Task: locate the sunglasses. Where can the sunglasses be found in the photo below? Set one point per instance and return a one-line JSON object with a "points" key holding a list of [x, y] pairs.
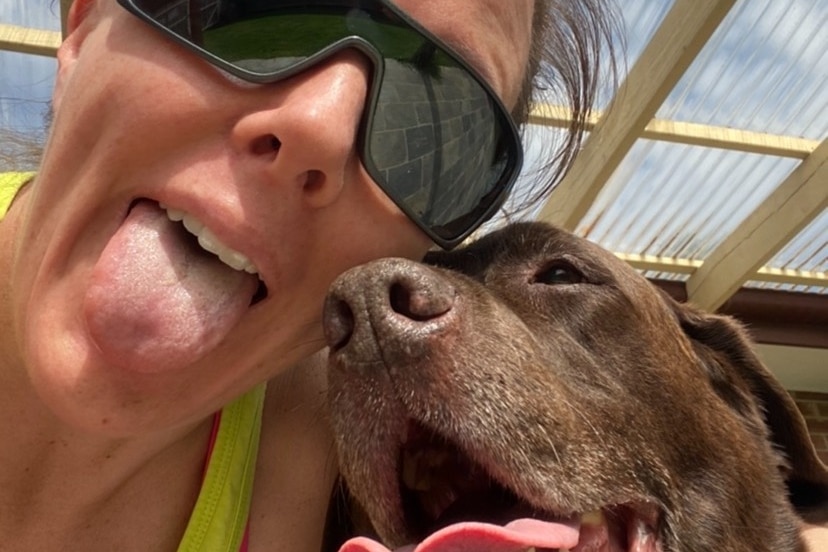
{"points": [[434, 136]]}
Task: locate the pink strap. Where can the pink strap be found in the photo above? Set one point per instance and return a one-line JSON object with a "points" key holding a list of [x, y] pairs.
{"points": [[212, 443]]}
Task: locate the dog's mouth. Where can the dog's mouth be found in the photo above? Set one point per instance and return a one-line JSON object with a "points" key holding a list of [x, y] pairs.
{"points": [[445, 491]]}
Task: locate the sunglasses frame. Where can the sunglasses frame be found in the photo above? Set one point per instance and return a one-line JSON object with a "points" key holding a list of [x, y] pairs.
{"points": [[510, 134]]}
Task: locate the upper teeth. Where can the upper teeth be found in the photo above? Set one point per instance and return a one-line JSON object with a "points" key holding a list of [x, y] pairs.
{"points": [[209, 241]]}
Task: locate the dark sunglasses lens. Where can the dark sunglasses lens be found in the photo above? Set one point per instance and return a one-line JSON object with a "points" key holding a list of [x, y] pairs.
{"points": [[438, 142], [437, 146]]}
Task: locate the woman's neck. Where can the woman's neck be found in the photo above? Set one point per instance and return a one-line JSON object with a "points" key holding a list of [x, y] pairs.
{"points": [[62, 485]]}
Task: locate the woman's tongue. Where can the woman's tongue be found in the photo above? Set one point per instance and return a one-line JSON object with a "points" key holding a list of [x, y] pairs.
{"points": [[158, 302]]}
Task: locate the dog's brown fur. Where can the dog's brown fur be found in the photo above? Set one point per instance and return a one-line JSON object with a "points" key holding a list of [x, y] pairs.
{"points": [[575, 383]]}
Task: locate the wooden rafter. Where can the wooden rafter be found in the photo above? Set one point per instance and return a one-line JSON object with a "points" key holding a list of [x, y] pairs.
{"points": [[792, 206], [28, 41], [689, 266], [692, 134], [676, 43]]}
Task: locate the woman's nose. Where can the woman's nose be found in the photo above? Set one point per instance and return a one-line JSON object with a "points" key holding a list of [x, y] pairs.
{"points": [[306, 130]]}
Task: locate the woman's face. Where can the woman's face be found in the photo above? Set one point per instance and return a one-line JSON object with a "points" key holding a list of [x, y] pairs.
{"points": [[127, 324]]}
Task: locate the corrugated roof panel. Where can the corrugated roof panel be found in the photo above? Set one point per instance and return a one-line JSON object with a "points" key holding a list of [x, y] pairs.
{"points": [[780, 286], [27, 80], [807, 252], [668, 276], [639, 20], [680, 201], [38, 14], [25, 90], [765, 69]]}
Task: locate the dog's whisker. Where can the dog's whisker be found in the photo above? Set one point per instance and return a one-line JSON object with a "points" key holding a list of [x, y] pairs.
{"points": [[578, 411]]}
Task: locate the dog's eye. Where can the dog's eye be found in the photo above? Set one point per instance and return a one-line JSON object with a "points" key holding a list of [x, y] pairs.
{"points": [[558, 273]]}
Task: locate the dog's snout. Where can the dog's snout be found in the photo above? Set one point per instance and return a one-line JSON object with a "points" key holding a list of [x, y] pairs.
{"points": [[383, 299]]}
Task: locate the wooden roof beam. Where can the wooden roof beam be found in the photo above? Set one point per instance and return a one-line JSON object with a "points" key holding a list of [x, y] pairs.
{"points": [[673, 265], [692, 134], [791, 207], [28, 41], [676, 43]]}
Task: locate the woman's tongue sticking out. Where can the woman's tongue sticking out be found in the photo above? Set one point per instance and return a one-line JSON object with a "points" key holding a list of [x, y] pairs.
{"points": [[158, 302]]}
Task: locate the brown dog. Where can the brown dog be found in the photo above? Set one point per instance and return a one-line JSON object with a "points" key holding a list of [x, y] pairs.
{"points": [[534, 378]]}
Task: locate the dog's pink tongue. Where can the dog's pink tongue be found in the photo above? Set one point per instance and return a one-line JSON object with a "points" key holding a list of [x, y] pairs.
{"points": [[517, 536], [156, 301]]}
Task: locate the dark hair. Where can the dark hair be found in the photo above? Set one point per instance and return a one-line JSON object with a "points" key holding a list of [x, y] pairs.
{"points": [[571, 56], [19, 151]]}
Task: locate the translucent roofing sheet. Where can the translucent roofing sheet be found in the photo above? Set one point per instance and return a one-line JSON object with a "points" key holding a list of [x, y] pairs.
{"points": [[25, 90], [26, 81], [765, 69], [38, 14], [674, 200], [639, 20], [808, 251]]}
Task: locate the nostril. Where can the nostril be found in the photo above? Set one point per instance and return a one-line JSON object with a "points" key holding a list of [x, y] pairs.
{"points": [[338, 324], [314, 181], [400, 299], [421, 303], [266, 145]]}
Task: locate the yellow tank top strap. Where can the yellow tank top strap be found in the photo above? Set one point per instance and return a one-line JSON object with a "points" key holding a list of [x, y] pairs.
{"points": [[10, 184], [219, 519]]}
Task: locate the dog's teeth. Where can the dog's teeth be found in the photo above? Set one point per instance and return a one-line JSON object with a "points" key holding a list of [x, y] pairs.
{"points": [[437, 501], [436, 459], [595, 518], [643, 536], [421, 468], [412, 476]]}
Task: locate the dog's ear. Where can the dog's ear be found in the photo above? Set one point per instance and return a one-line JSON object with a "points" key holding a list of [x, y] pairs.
{"points": [[741, 379]]}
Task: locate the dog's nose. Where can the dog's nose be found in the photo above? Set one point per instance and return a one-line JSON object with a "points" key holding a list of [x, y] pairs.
{"points": [[385, 298]]}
